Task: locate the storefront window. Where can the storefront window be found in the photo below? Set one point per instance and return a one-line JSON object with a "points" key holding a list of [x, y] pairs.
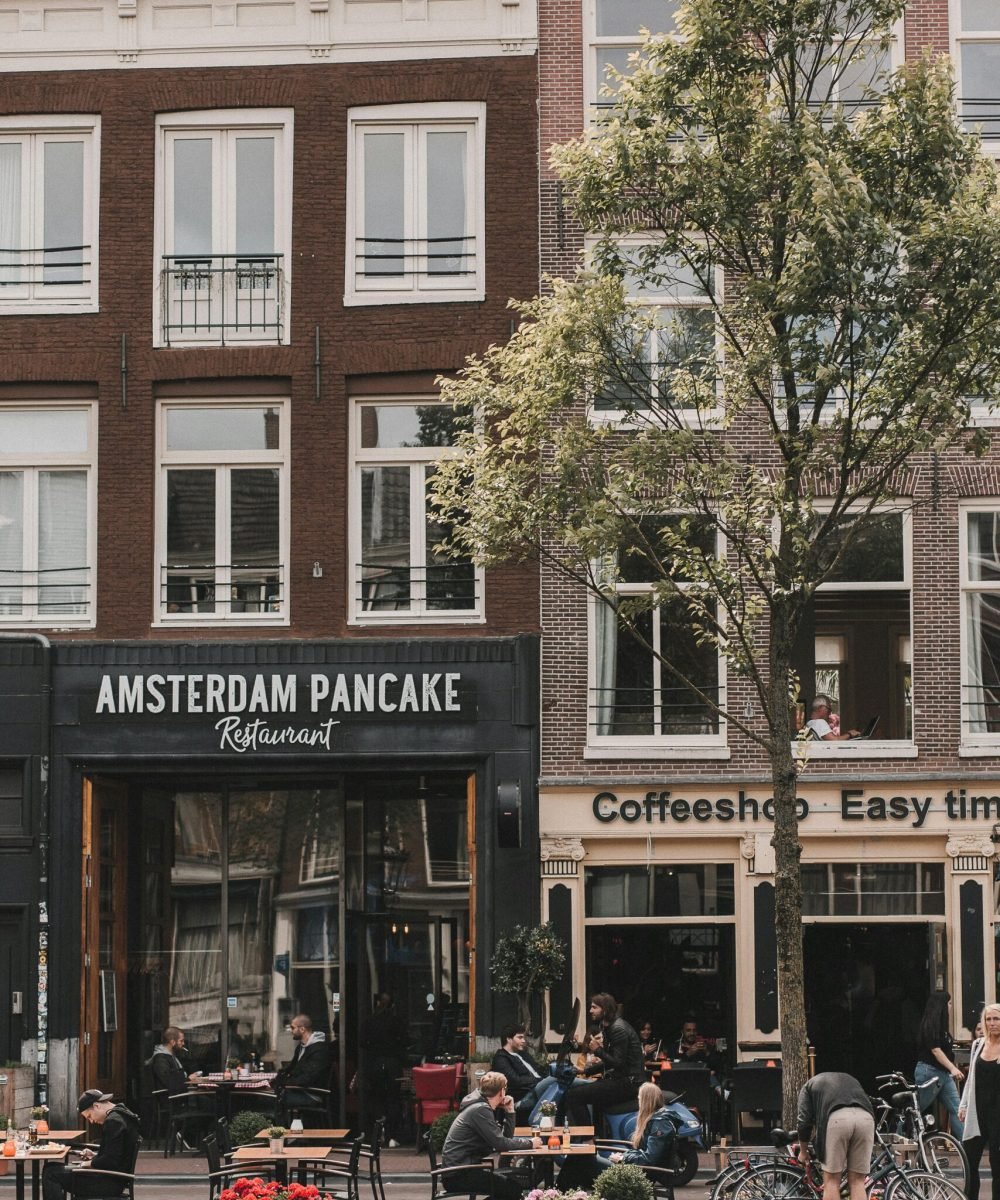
{"points": [[684, 890], [872, 889]]}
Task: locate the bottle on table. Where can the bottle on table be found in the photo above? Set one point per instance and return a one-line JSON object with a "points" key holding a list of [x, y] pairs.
{"points": [[32, 1133], [566, 1138]]}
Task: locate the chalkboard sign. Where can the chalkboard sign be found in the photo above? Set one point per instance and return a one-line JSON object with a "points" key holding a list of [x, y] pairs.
{"points": [[109, 1002]]}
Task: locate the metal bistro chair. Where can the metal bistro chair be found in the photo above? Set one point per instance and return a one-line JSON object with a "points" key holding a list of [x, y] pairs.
{"points": [[333, 1168], [693, 1085], [220, 1176], [187, 1113], [440, 1176], [372, 1154], [754, 1089], [119, 1183]]}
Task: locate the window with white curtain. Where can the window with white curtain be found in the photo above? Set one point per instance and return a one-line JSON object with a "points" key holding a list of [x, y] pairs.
{"points": [[416, 203], [47, 514], [655, 681], [980, 560], [977, 59], [49, 179], [222, 512]]}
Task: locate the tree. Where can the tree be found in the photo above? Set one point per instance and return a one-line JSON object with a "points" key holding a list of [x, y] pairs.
{"points": [[844, 233], [526, 963]]}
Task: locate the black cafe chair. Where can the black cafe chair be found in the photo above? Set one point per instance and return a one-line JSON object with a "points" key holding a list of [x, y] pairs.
{"points": [[754, 1089], [693, 1085], [119, 1183], [220, 1176]]}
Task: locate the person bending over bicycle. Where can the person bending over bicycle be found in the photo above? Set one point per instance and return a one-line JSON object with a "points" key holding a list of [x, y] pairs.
{"points": [[834, 1109]]}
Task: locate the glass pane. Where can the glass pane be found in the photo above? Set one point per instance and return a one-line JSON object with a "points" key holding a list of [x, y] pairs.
{"points": [[617, 892], [683, 710], [67, 260], [451, 582], [223, 427], [980, 72], [888, 889], [11, 541], [845, 889], [686, 339], [875, 554], [41, 431], [932, 888], [628, 691], [192, 196], [984, 546], [449, 248], [255, 540], [11, 235], [622, 18], [980, 15], [255, 195], [815, 890], [865, 72], [649, 274], [610, 56], [981, 704], [400, 426], [191, 558], [385, 537], [636, 562], [384, 205], [63, 575], [693, 891]]}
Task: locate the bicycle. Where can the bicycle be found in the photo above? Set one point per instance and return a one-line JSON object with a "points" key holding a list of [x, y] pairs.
{"points": [[901, 1120], [887, 1179]]}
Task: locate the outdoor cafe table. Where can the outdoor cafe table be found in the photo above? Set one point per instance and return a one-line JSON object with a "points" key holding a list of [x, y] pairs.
{"points": [[309, 1135], [37, 1158], [225, 1088], [574, 1131], [64, 1135], [280, 1161], [545, 1158]]}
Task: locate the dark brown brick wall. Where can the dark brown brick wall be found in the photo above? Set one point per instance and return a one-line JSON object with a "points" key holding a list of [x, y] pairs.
{"points": [[357, 342]]}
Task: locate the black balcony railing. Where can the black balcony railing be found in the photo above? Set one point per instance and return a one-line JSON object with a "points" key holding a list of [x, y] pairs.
{"points": [[450, 587], [50, 592], [45, 266], [380, 259], [222, 297], [221, 589], [981, 710], [648, 711]]}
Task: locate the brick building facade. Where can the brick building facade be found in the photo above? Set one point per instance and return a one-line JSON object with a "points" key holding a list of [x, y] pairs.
{"points": [[656, 858], [239, 243]]}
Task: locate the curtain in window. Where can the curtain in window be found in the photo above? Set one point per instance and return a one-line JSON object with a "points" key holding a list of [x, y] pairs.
{"points": [[10, 213], [62, 542], [11, 541], [983, 614], [606, 656]]}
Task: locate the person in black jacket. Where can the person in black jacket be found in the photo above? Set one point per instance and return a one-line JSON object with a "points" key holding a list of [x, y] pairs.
{"points": [[120, 1141], [523, 1077], [309, 1068], [619, 1057], [166, 1067]]}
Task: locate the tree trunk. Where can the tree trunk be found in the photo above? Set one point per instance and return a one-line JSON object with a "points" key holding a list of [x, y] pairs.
{"points": [[787, 852]]}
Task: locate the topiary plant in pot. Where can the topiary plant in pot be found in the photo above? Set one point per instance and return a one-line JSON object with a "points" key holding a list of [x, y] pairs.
{"points": [[623, 1181], [246, 1125], [439, 1130]]}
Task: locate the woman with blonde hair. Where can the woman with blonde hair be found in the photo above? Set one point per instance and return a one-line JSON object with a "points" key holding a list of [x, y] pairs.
{"points": [[655, 1131], [980, 1106]]}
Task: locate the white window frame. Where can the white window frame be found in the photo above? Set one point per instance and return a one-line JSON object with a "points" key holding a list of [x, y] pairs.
{"points": [[417, 458], [222, 462], [653, 745], [594, 76], [416, 287], [959, 39], [808, 749], [217, 124], [659, 301], [32, 132], [31, 465], [972, 744]]}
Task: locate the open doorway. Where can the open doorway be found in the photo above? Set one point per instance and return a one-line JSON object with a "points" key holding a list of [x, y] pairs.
{"points": [[866, 986]]}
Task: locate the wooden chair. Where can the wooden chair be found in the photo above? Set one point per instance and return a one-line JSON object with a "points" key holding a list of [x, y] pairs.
{"points": [[434, 1089]]}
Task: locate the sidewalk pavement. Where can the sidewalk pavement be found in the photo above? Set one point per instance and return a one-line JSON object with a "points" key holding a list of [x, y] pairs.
{"points": [[404, 1172]]}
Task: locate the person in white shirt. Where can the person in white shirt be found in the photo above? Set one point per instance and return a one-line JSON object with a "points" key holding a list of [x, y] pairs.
{"points": [[819, 723]]}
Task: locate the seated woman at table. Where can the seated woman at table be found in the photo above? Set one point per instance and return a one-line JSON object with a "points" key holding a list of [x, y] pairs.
{"points": [[650, 1042], [654, 1131]]}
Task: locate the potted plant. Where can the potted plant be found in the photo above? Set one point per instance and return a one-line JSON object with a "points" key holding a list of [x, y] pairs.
{"points": [[246, 1126], [547, 1111], [276, 1138], [623, 1181], [40, 1115]]}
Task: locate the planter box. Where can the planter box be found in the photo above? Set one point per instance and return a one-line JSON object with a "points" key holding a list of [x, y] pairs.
{"points": [[17, 1095]]}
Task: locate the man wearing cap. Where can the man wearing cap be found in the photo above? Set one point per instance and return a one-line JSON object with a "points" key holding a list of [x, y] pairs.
{"points": [[119, 1147]]}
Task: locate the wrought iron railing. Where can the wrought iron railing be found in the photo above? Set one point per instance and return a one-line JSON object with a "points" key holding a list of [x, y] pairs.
{"points": [[981, 709], [49, 592], [221, 589], [401, 587], [649, 711], [222, 297], [381, 259], [35, 267]]}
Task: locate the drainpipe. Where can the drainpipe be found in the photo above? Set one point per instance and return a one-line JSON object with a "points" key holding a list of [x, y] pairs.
{"points": [[42, 1010]]}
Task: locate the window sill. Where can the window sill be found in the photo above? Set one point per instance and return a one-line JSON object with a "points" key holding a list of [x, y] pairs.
{"points": [[602, 750], [25, 308], [360, 299], [203, 621], [980, 751], [412, 618], [53, 623], [861, 748]]}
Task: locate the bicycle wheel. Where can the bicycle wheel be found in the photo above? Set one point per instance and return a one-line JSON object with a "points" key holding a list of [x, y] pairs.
{"points": [[774, 1181], [922, 1185], [944, 1154], [721, 1187]]}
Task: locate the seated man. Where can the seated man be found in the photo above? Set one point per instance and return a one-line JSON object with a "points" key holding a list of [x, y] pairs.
{"points": [[618, 1054], [120, 1141], [167, 1069], [474, 1134], [525, 1082], [309, 1068], [819, 724], [691, 1046]]}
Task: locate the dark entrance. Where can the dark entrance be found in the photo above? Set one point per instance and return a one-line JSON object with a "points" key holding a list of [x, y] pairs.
{"points": [[866, 986], [13, 977], [661, 973]]}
